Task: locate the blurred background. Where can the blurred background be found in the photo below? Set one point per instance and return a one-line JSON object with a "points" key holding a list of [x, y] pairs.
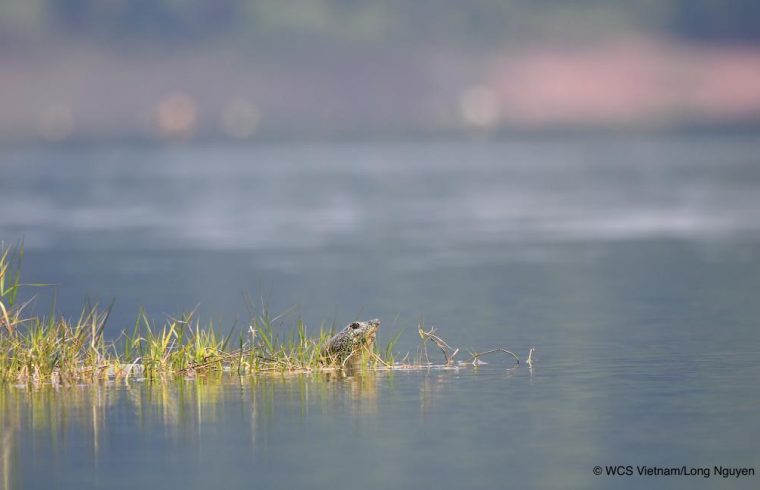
{"points": [[94, 70], [384, 158], [582, 177]]}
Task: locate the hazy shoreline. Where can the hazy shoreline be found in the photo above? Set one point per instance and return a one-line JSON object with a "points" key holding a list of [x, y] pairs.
{"points": [[82, 93]]}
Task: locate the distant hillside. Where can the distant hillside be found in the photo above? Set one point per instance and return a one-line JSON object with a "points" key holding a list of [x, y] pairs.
{"points": [[240, 69], [476, 22]]}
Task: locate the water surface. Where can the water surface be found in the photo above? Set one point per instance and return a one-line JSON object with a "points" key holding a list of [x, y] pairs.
{"points": [[632, 264]]}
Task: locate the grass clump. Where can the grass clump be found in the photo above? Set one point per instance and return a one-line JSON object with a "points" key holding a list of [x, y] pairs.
{"points": [[50, 348]]}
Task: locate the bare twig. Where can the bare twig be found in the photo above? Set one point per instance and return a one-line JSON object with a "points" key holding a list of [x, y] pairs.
{"points": [[439, 342], [129, 370], [343, 364], [477, 355], [379, 359]]}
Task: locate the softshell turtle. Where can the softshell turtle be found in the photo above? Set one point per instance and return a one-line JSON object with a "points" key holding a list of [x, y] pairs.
{"points": [[346, 346]]}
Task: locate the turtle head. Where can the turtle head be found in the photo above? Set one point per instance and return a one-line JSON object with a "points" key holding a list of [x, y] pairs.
{"points": [[363, 332]]}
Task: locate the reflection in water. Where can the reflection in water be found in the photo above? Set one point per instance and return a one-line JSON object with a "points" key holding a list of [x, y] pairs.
{"points": [[6, 453], [358, 391], [52, 417], [47, 415], [429, 388]]}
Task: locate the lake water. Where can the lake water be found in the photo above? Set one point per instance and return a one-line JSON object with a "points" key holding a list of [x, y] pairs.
{"points": [[631, 264]]}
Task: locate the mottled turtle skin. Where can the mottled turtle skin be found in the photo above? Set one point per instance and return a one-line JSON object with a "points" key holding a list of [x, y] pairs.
{"points": [[352, 338]]}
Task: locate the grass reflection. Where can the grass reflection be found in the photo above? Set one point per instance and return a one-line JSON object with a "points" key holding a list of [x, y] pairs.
{"points": [[58, 419]]}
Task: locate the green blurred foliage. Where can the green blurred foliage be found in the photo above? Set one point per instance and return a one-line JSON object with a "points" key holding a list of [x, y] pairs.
{"points": [[474, 21]]}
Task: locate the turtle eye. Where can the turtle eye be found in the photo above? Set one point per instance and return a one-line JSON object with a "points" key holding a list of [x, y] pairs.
{"points": [[354, 325]]}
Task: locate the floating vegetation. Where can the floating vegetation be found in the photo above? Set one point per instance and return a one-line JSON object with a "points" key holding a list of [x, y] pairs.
{"points": [[53, 349]]}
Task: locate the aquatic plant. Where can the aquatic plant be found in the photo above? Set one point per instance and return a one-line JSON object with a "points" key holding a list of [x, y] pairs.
{"points": [[50, 348]]}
